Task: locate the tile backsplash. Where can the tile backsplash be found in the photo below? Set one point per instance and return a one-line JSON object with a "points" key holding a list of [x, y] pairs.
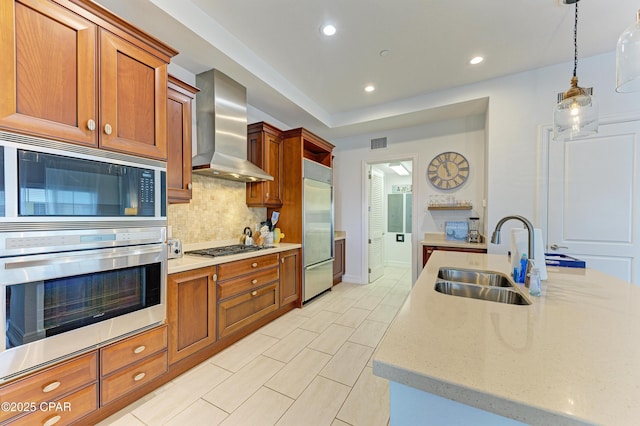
{"points": [[217, 211]]}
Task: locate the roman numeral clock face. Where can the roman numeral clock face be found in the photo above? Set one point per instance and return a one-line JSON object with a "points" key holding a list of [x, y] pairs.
{"points": [[448, 170]]}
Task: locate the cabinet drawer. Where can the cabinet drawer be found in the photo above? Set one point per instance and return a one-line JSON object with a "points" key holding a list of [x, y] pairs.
{"points": [[246, 282], [133, 349], [125, 381], [242, 310], [64, 411], [241, 267], [51, 383]]}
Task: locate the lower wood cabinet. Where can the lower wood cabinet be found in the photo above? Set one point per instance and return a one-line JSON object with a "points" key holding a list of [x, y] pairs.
{"points": [[290, 277], [339, 261], [191, 311], [428, 250], [239, 311], [131, 363], [52, 384]]}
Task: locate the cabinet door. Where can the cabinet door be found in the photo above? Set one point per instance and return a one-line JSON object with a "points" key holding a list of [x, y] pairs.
{"points": [[133, 99], [48, 69], [339, 261], [290, 274], [240, 311], [179, 101], [191, 312], [266, 150]]}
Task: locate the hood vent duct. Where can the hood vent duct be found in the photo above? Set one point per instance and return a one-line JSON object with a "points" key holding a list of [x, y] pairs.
{"points": [[221, 114]]}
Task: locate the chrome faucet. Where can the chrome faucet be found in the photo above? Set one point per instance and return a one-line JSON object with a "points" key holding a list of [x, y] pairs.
{"points": [[495, 237]]}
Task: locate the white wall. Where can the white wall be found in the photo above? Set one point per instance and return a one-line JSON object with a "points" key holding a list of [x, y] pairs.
{"points": [[518, 105]]}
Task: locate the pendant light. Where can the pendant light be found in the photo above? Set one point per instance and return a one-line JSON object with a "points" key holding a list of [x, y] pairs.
{"points": [[628, 59], [576, 114]]}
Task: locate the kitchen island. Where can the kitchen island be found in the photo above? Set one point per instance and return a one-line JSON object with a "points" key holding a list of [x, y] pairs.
{"points": [[570, 357]]}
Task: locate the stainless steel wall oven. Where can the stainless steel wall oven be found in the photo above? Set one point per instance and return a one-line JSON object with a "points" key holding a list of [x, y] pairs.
{"points": [[83, 252]]}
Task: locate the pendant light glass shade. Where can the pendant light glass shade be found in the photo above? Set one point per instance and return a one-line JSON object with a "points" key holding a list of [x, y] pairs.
{"points": [[628, 59], [576, 114]]}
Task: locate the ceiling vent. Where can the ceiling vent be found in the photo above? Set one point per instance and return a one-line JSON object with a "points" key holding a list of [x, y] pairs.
{"points": [[378, 143]]}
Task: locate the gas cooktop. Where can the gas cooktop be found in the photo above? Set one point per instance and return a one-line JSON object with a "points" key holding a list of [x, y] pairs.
{"points": [[227, 250]]}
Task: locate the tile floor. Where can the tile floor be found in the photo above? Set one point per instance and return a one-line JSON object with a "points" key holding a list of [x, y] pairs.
{"points": [[312, 366]]}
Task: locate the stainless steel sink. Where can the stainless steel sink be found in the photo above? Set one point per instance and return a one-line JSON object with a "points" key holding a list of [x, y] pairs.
{"points": [[471, 276], [482, 292]]}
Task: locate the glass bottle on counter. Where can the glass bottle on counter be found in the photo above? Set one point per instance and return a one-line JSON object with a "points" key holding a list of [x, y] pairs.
{"points": [[534, 281]]}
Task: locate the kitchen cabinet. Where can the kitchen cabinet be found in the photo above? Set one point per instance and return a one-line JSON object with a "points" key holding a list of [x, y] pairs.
{"points": [[180, 97], [339, 261], [131, 363], [291, 278], [265, 149], [191, 311], [247, 291], [74, 72], [75, 379], [298, 145], [428, 251]]}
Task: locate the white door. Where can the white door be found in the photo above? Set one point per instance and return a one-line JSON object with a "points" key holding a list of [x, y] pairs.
{"points": [[593, 202], [376, 224]]}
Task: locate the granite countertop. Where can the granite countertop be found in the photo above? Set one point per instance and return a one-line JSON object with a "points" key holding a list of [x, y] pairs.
{"points": [[189, 262], [439, 239], [571, 357]]}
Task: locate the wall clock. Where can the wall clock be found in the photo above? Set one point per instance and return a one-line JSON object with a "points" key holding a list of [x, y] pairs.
{"points": [[448, 170]]}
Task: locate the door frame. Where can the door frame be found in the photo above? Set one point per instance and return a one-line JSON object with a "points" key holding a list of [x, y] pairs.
{"points": [[414, 158], [542, 189]]}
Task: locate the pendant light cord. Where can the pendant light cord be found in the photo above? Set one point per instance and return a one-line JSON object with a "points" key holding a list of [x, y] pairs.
{"points": [[575, 43]]}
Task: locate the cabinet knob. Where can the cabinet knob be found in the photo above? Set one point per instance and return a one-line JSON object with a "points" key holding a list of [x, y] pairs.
{"points": [[139, 377], [214, 277], [282, 260], [267, 194], [254, 282], [189, 185], [254, 264], [51, 386], [139, 349], [91, 125], [107, 129], [52, 420], [253, 293]]}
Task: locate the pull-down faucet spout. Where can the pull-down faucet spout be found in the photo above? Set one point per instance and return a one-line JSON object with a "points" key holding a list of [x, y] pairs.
{"points": [[495, 237]]}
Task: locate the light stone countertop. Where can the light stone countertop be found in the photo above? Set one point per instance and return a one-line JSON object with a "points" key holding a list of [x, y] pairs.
{"points": [[339, 235], [189, 262], [439, 239], [571, 357]]}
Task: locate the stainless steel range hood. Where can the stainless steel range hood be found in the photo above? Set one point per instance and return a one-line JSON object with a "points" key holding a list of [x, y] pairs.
{"points": [[221, 113]]}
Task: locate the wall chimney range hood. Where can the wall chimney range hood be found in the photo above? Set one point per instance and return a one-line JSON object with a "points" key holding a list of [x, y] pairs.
{"points": [[221, 114]]}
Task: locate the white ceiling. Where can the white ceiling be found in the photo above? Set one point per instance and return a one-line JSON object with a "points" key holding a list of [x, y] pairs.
{"points": [[298, 76]]}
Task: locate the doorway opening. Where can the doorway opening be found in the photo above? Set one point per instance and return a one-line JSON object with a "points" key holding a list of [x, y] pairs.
{"points": [[390, 217]]}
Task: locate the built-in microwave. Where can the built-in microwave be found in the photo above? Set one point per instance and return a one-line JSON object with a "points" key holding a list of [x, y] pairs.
{"points": [[47, 182]]}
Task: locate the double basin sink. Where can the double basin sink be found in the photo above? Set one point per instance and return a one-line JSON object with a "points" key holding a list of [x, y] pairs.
{"points": [[482, 285]]}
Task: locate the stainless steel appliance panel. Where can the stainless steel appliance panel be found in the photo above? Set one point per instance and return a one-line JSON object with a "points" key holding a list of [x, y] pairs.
{"points": [[317, 278], [317, 243]]}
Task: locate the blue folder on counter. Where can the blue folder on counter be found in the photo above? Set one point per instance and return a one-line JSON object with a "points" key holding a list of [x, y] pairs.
{"points": [[555, 259]]}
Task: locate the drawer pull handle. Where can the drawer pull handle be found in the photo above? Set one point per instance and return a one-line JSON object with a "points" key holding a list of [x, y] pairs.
{"points": [[254, 264], [91, 125], [52, 421], [139, 377], [51, 387], [253, 293], [254, 282], [139, 349]]}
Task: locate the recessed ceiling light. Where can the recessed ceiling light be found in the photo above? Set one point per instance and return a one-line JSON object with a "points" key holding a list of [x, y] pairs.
{"points": [[328, 30], [384, 53], [476, 60], [369, 88]]}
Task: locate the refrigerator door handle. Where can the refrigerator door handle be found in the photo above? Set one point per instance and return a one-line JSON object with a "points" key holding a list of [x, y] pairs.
{"points": [[317, 265]]}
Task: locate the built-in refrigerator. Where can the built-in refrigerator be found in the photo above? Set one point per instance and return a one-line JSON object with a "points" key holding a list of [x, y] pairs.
{"points": [[317, 225]]}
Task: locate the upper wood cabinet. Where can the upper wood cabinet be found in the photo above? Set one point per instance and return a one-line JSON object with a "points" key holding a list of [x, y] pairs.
{"points": [[265, 149], [74, 72], [180, 96]]}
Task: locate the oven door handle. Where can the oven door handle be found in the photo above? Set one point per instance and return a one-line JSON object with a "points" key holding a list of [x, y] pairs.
{"points": [[22, 269]]}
